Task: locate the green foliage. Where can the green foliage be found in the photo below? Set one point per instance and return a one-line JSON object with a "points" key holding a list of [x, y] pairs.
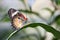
{"points": [[29, 12], [33, 25], [48, 9], [5, 18], [2, 9], [46, 27], [57, 19], [23, 2], [57, 2]]}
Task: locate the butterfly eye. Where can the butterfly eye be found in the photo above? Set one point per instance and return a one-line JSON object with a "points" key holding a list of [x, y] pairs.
{"points": [[18, 17]]}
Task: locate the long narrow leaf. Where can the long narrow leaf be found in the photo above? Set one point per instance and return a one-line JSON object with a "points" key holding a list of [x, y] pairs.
{"points": [[46, 27], [30, 12]]}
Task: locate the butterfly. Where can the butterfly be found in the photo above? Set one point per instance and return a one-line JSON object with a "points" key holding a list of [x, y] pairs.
{"points": [[17, 18]]}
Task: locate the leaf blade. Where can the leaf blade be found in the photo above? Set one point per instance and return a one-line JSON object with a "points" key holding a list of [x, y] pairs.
{"points": [[46, 27]]}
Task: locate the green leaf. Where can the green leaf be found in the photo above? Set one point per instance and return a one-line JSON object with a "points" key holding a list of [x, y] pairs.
{"points": [[22, 0], [5, 18], [57, 20], [51, 11], [33, 25], [48, 9], [30, 12], [46, 27], [2, 9], [57, 2]]}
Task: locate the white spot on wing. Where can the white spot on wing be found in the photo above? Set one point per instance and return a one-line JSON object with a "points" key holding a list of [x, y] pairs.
{"points": [[14, 13]]}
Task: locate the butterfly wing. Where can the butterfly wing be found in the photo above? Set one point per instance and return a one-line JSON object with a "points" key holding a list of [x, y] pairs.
{"points": [[11, 11]]}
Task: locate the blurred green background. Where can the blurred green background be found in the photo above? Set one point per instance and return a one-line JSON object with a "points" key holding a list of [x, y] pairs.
{"points": [[37, 11]]}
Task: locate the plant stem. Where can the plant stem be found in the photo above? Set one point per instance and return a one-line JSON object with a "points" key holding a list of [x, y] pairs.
{"points": [[11, 34]]}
